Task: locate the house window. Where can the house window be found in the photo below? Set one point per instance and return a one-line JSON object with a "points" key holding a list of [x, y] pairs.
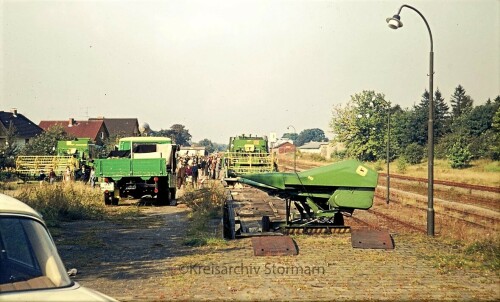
{"points": [[102, 135]]}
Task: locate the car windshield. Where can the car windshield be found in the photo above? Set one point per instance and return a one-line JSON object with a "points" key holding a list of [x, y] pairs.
{"points": [[28, 256]]}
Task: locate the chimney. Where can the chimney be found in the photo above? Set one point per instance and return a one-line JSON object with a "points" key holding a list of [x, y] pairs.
{"points": [[71, 122], [14, 111]]}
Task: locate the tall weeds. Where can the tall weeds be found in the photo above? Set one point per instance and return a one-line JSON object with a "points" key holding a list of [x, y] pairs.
{"points": [[63, 201], [206, 205]]}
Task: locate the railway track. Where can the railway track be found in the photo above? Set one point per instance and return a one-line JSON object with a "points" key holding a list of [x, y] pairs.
{"points": [[458, 206], [444, 183], [489, 222]]}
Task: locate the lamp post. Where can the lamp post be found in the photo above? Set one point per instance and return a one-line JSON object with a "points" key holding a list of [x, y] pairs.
{"points": [[388, 154], [395, 23], [294, 150]]}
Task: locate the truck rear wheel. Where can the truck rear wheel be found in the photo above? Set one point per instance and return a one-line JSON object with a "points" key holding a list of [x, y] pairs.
{"points": [[173, 191], [162, 197], [107, 200]]}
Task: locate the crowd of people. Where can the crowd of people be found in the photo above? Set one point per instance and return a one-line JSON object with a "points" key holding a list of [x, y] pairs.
{"points": [[85, 173], [192, 170]]}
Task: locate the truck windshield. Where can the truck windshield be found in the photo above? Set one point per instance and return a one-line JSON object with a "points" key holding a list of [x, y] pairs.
{"points": [[28, 256]]}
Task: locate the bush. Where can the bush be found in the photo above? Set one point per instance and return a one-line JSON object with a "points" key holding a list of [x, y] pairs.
{"points": [[206, 204], [483, 146], [413, 153], [402, 165], [339, 154], [317, 157], [63, 201], [459, 155]]}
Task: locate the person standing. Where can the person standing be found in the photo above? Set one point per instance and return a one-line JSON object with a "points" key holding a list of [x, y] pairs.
{"points": [[181, 175], [52, 176], [194, 175], [92, 177], [41, 177], [67, 175], [203, 164]]}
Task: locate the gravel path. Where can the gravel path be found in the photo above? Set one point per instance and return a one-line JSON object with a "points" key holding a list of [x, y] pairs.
{"points": [[144, 259]]}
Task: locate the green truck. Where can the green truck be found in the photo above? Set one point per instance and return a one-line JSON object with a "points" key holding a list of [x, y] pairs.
{"points": [[141, 166]]}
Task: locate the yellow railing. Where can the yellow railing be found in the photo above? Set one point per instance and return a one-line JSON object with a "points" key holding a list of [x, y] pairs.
{"points": [[32, 165], [246, 163]]}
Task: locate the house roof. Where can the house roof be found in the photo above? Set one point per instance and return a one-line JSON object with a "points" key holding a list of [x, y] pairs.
{"points": [[313, 145], [79, 129], [120, 126], [24, 127], [282, 144]]}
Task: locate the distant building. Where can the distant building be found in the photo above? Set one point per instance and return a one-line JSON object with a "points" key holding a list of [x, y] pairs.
{"points": [[191, 151], [315, 148], [25, 128], [284, 147], [94, 129], [120, 127]]}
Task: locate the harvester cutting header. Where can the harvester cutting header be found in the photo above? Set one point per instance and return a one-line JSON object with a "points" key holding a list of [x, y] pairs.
{"points": [[321, 195]]}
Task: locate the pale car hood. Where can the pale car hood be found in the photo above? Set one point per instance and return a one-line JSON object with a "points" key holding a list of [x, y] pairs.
{"points": [[74, 293]]}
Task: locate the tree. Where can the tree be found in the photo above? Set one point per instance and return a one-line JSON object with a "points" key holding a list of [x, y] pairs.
{"points": [[310, 135], [362, 125], [459, 154], [208, 144], [46, 142], [480, 118], [177, 133], [420, 123], [460, 102], [9, 151], [495, 148], [292, 136]]}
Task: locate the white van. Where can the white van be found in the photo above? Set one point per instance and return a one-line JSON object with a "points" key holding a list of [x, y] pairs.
{"points": [[30, 267]]}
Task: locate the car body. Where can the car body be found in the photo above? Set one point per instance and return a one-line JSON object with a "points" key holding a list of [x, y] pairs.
{"points": [[30, 266]]}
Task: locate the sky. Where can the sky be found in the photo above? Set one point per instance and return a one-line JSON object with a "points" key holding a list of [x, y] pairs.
{"points": [[228, 67]]}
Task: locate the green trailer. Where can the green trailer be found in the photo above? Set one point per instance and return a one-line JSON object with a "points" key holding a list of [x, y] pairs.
{"points": [[141, 166]]}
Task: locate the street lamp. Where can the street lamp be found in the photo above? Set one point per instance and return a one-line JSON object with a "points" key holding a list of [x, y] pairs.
{"points": [[395, 23], [294, 150], [388, 149]]}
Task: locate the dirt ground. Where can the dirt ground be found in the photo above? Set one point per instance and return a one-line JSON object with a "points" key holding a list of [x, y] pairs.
{"points": [[143, 258]]}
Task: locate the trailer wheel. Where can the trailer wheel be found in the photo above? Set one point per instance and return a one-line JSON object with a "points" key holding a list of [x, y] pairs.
{"points": [[338, 219], [266, 224]]}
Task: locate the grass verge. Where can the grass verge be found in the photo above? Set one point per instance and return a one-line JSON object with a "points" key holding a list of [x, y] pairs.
{"points": [[206, 205], [451, 255], [63, 202]]}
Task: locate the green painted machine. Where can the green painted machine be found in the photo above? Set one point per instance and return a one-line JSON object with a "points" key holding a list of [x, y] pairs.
{"points": [[72, 153], [321, 195], [247, 155], [141, 166]]}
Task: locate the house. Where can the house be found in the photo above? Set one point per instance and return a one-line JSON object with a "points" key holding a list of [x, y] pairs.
{"points": [[284, 147], [314, 148], [25, 129], [191, 151], [120, 127], [94, 129]]}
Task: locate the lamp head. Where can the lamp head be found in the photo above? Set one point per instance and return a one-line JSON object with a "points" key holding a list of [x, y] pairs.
{"points": [[394, 22]]}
